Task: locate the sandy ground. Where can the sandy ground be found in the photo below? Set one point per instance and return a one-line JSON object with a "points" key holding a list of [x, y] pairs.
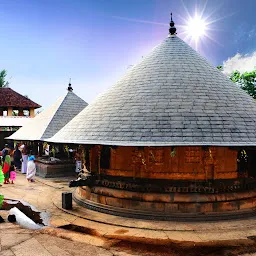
{"points": [[84, 232]]}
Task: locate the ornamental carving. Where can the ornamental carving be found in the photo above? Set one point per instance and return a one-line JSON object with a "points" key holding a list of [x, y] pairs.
{"points": [[192, 155], [185, 187], [156, 156]]}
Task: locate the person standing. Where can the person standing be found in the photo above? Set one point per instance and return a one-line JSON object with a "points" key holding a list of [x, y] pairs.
{"points": [[17, 156], [4, 151], [78, 159], [31, 169], [24, 159], [1, 172], [6, 168]]}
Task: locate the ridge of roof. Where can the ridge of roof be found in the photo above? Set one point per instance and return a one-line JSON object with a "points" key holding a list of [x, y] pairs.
{"points": [[71, 100]]}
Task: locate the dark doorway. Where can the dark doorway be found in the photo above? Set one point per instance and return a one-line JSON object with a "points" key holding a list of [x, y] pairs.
{"points": [[4, 134], [242, 163], [251, 162], [105, 157], [87, 159]]}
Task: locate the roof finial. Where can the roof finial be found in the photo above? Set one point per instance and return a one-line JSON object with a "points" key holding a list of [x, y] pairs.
{"points": [[70, 89], [172, 29]]}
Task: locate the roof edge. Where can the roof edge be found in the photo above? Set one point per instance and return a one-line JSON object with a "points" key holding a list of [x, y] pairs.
{"points": [[151, 144]]}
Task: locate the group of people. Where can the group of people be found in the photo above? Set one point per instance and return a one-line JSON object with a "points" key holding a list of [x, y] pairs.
{"points": [[15, 160]]}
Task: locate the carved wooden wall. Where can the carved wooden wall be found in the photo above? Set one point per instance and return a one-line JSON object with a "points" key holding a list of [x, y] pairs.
{"points": [[193, 163]]}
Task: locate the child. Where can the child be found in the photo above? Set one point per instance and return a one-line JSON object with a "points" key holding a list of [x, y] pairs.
{"points": [[12, 172], [6, 168]]}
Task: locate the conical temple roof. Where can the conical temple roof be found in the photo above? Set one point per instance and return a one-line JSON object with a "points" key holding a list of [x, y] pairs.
{"points": [[51, 120], [172, 97]]}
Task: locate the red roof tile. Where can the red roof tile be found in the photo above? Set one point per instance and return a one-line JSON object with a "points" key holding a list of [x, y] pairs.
{"points": [[10, 98]]}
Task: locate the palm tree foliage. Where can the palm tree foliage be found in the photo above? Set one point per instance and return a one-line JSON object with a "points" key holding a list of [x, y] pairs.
{"points": [[3, 82]]}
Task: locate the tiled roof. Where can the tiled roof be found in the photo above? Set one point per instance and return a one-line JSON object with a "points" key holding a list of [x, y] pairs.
{"points": [[10, 98], [51, 120], [172, 97]]}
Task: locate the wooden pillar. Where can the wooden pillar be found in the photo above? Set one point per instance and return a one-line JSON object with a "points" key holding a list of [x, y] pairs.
{"points": [[99, 148], [208, 163], [9, 111], [90, 160], [40, 148], [34, 148], [136, 162], [20, 113], [32, 112]]}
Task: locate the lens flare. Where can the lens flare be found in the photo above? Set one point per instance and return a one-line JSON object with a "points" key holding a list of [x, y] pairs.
{"points": [[196, 28]]}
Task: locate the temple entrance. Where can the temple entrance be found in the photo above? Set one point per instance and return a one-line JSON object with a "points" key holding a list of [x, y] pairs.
{"points": [[242, 163], [246, 162]]}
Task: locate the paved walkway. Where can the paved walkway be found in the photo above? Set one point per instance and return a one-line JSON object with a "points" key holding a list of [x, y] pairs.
{"points": [[102, 234]]}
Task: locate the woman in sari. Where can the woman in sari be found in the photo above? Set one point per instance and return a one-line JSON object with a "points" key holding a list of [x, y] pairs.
{"points": [[31, 169], [17, 156], [24, 160], [6, 168]]}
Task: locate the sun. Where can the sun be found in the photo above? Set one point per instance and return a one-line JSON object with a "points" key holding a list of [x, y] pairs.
{"points": [[196, 27]]}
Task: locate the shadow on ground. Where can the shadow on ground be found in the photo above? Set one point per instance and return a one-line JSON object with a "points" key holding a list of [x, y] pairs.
{"points": [[153, 247]]}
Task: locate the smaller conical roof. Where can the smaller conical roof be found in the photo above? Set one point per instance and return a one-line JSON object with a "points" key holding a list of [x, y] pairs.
{"points": [[50, 121]]}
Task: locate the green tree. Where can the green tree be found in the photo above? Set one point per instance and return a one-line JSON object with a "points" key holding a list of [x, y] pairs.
{"points": [[246, 80], [3, 82]]}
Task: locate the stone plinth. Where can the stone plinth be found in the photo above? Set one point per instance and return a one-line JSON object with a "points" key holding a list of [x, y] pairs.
{"points": [[162, 205], [47, 169], [161, 181]]}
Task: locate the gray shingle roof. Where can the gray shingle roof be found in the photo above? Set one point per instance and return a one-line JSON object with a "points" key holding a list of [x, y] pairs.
{"points": [[51, 120], [172, 97]]}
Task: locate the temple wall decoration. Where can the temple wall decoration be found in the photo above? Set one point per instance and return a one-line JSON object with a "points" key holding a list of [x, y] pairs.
{"points": [[194, 163]]}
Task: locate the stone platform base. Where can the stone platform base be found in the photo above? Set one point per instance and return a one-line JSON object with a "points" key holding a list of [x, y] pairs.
{"points": [[166, 206], [54, 170]]}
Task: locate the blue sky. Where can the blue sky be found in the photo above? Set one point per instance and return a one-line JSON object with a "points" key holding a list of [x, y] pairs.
{"points": [[45, 42]]}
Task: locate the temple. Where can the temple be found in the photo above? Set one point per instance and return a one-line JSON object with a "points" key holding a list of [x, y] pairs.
{"points": [[51, 120], [15, 112], [47, 124], [174, 135]]}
